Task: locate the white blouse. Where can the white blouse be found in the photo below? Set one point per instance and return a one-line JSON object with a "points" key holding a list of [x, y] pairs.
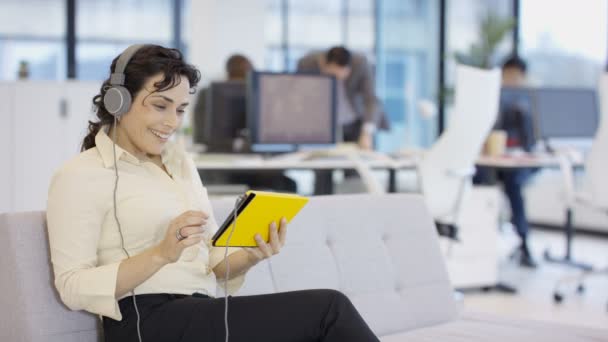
{"points": [[84, 239]]}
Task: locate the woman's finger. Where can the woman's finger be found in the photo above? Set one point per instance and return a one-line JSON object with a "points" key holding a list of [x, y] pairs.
{"points": [[190, 241], [283, 232], [263, 246], [196, 213], [274, 238], [187, 231], [188, 221]]}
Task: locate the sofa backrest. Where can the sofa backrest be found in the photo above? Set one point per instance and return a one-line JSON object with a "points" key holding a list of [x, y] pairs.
{"points": [[31, 308], [381, 251]]}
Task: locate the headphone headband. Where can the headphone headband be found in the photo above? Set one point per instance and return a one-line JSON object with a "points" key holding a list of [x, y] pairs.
{"points": [[118, 76]]}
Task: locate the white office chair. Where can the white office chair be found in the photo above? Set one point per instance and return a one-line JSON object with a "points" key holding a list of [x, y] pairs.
{"points": [[446, 170], [594, 192]]}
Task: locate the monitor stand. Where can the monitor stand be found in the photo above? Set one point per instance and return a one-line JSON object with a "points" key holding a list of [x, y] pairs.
{"points": [[548, 146]]}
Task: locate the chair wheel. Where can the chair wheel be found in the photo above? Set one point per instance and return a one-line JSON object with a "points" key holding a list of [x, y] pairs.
{"points": [[558, 297], [580, 288]]}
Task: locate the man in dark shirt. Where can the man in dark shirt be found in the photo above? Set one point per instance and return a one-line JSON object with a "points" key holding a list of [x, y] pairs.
{"points": [[360, 113], [515, 118]]}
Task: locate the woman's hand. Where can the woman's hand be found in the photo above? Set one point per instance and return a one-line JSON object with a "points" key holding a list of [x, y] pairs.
{"points": [[274, 245], [184, 231]]}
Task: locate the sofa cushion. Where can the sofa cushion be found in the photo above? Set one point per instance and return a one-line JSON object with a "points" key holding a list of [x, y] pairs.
{"points": [[381, 251]]}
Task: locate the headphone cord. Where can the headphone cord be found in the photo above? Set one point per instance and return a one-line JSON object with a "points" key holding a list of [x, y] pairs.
{"points": [[122, 239], [227, 267], [122, 244]]}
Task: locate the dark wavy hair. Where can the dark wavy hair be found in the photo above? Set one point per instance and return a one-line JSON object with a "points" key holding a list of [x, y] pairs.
{"points": [[147, 62], [338, 55]]}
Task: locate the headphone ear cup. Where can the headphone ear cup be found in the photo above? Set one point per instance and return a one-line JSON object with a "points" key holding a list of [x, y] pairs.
{"points": [[117, 100]]}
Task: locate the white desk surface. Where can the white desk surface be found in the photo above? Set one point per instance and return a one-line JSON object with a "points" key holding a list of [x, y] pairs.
{"points": [[507, 161], [257, 162], [377, 161], [524, 161]]}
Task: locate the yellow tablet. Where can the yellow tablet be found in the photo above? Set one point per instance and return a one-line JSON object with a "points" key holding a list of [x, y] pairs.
{"points": [[254, 215]]}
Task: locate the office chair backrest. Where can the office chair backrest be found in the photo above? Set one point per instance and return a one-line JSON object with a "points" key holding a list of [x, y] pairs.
{"points": [[596, 168], [475, 112]]}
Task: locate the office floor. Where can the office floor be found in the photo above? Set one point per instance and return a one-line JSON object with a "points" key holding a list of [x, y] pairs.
{"points": [[535, 297]]}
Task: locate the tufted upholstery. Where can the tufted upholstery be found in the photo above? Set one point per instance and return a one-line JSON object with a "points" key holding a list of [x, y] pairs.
{"points": [[379, 250]]}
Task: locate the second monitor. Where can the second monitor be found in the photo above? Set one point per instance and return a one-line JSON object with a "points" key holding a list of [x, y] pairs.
{"points": [[225, 123], [566, 112], [287, 111]]}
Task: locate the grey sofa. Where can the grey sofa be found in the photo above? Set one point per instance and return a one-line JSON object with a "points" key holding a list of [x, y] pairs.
{"points": [[379, 250]]}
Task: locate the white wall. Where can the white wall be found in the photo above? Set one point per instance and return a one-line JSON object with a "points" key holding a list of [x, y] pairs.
{"points": [[6, 147], [219, 28]]}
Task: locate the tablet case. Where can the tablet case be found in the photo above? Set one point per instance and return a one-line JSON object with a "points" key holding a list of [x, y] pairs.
{"points": [[254, 215]]}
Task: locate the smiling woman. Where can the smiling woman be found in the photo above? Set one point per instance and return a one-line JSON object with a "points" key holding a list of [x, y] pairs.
{"points": [[140, 255], [159, 81], [153, 117]]}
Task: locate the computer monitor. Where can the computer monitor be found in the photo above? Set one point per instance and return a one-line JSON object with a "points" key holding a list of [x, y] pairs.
{"points": [[225, 116], [288, 111], [566, 112]]}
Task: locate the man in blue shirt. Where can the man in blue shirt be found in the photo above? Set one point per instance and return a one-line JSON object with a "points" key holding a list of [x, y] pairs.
{"points": [[515, 118]]}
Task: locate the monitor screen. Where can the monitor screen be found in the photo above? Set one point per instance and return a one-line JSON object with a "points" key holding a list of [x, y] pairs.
{"points": [[292, 109], [566, 112], [226, 115]]}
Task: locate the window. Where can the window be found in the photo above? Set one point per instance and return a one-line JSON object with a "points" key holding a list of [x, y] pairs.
{"points": [[296, 27], [106, 27], [407, 70], [463, 30], [312, 25], [274, 33], [564, 42], [32, 32], [403, 52], [360, 30]]}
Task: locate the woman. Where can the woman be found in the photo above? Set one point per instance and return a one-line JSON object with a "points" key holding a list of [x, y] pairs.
{"points": [[129, 215]]}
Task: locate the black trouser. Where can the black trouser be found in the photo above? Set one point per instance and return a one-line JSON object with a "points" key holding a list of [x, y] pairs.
{"points": [[352, 131], [311, 315]]}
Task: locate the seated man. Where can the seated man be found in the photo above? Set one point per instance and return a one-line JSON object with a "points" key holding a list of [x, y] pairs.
{"points": [[516, 119]]}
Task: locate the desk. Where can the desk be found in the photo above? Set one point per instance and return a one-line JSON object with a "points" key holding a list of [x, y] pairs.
{"points": [[523, 161], [323, 166], [410, 161]]}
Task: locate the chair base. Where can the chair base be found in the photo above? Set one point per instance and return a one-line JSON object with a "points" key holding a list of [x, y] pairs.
{"points": [[502, 288], [566, 261]]}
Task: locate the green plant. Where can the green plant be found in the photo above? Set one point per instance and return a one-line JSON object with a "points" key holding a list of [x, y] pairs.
{"points": [[186, 130], [492, 30]]}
